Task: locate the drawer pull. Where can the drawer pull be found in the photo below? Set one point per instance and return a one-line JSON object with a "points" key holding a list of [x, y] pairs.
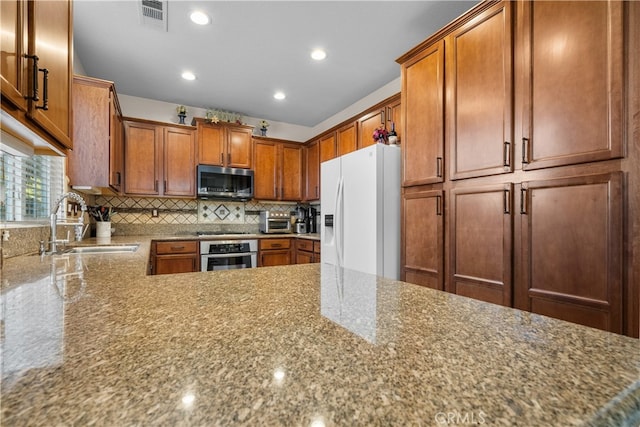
{"points": [[177, 248], [276, 245]]}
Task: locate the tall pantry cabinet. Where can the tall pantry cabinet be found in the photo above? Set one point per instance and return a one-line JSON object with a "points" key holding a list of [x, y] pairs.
{"points": [[519, 175]]}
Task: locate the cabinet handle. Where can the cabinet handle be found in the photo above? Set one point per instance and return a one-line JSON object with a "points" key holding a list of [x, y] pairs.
{"points": [[45, 89], [523, 201], [155, 186], [282, 192], [276, 245], [382, 121], [506, 201], [525, 150], [317, 191], [228, 159], [439, 167], [34, 77], [165, 185], [439, 205], [118, 175], [221, 158], [506, 154]]}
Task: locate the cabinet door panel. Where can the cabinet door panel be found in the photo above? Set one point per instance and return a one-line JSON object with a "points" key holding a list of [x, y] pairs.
{"points": [[142, 157], [266, 171], [367, 125], [171, 264], [291, 173], [423, 249], [13, 43], [423, 106], [116, 146], [240, 148], [574, 89], [51, 37], [347, 141], [572, 249], [179, 162], [312, 169], [271, 258], [481, 243], [211, 145], [327, 148], [479, 85]]}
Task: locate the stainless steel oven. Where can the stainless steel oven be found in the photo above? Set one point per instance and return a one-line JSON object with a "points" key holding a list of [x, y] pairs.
{"points": [[228, 254]]}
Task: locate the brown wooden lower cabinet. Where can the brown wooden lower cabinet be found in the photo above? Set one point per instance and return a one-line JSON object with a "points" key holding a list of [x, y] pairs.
{"points": [[168, 257], [274, 252], [423, 249], [307, 251], [571, 255], [480, 243]]}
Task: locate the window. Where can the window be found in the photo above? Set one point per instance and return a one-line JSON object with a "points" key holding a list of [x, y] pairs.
{"points": [[29, 186]]}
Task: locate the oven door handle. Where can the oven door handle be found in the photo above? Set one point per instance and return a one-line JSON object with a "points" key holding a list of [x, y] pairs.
{"points": [[235, 255]]}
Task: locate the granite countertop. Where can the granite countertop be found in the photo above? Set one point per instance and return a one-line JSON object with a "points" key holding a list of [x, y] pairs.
{"points": [[309, 236], [90, 339]]}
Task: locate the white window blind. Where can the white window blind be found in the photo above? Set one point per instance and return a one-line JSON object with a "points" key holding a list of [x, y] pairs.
{"points": [[29, 186]]}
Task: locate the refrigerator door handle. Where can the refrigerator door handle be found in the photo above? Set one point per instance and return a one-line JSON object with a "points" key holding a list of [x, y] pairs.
{"points": [[339, 222]]}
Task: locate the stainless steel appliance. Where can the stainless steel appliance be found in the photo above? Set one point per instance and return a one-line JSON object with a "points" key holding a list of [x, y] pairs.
{"points": [[228, 254], [224, 183], [275, 222]]}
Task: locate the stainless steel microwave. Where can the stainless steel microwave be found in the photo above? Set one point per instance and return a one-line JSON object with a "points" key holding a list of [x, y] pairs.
{"points": [[216, 182]]}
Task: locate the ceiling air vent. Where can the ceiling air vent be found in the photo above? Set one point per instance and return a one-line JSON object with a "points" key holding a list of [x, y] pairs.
{"points": [[153, 13]]}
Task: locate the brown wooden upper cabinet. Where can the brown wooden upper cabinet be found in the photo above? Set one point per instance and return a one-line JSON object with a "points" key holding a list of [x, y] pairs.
{"points": [[479, 88], [312, 172], [97, 157], [278, 170], [224, 144], [159, 160], [327, 147], [37, 66], [346, 139], [368, 124], [423, 105], [573, 56]]}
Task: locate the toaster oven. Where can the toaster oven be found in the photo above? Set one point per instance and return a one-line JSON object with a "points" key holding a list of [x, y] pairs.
{"points": [[275, 222]]}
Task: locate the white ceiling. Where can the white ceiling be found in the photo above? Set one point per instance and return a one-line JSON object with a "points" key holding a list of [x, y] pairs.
{"points": [[254, 48]]}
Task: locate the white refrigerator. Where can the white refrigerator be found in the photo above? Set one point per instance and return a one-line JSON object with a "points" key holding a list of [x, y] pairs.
{"points": [[360, 211]]}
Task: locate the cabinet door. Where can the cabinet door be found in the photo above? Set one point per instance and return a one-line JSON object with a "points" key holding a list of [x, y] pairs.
{"points": [[572, 240], [291, 172], [573, 94], [367, 125], [88, 162], [13, 43], [179, 162], [170, 264], [50, 39], [211, 145], [423, 239], [327, 148], [143, 158], [239, 148], [479, 114], [346, 141], [116, 146], [423, 106], [312, 172], [277, 257], [394, 118], [481, 243], [303, 257], [265, 171]]}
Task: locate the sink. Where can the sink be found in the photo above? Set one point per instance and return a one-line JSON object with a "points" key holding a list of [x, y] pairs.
{"points": [[102, 249]]}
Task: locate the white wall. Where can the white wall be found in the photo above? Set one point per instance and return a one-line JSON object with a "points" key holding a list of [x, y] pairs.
{"points": [[151, 109]]}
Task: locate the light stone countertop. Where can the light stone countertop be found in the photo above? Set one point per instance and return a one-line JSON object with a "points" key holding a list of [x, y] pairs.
{"points": [[90, 339]]}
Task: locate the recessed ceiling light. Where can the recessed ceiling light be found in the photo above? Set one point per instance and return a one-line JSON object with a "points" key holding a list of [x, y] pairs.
{"points": [[318, 54], [188, 75], [200, 18], [279, 95]]}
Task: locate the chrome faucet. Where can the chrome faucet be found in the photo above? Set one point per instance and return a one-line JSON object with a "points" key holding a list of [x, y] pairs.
{"points": [[78, 225]]}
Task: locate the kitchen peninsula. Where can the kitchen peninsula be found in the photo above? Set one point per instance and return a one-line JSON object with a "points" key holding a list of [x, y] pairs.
{"points": [[92, 339]]}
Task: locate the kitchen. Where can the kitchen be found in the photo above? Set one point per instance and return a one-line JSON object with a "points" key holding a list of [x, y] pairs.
{"points": [[375, 350]]}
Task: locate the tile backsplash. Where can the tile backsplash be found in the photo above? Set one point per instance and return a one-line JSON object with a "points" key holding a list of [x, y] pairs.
{"points": [[136, 215]]}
